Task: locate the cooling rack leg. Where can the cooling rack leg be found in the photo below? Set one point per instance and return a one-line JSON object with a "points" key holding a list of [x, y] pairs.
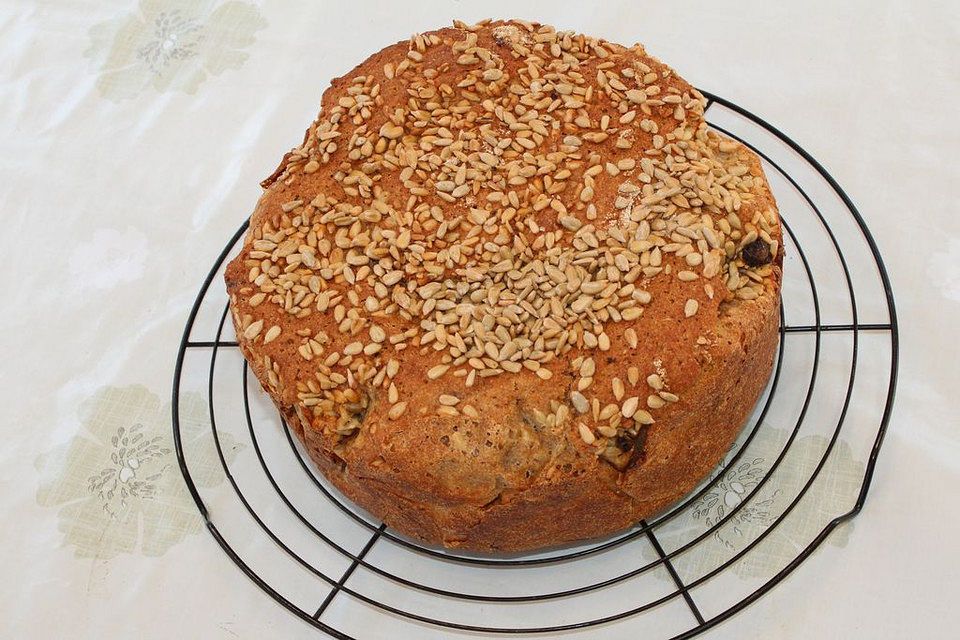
{"points": [[673, 574], [346, 574]]}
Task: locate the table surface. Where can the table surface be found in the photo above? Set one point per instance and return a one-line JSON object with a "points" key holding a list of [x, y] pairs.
{"points": [[130, 157]]}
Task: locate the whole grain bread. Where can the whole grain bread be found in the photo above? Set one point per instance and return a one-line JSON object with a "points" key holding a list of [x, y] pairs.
{"points": [[511, 291]]}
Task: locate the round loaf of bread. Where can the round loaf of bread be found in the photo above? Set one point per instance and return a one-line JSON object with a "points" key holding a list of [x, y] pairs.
{"points": [[511, 291]]}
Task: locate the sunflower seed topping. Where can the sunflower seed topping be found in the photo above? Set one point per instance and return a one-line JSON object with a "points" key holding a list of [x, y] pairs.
{"points": [[503, 215]]}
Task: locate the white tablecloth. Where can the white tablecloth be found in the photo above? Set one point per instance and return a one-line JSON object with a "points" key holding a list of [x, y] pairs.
{"points": [[135, 135]]}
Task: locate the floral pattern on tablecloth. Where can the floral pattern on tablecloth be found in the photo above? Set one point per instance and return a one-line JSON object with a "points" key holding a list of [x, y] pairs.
{"points": [[171, 45], [833, 493], [108, 257], [943, 269], [117, 486]]}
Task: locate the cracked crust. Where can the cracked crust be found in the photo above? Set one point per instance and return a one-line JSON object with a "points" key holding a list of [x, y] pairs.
{"points": [[503, 480]]}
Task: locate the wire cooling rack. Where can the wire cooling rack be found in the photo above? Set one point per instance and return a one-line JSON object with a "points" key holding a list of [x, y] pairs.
{"points": [[800, 468]]}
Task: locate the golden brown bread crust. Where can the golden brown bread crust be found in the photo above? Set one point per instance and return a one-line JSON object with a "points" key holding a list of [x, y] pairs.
{"points": [[516, 471]]}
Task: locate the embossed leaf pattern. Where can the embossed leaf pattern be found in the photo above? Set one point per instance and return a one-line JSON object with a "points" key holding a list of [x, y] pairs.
{"points": [[743, 515], [117, 486], [171, 45]]}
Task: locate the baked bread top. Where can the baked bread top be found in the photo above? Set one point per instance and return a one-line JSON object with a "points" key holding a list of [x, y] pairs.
{"points": [[501, 254]]}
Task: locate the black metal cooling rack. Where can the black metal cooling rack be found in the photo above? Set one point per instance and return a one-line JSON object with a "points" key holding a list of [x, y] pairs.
{"points": [[340, 586]]}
